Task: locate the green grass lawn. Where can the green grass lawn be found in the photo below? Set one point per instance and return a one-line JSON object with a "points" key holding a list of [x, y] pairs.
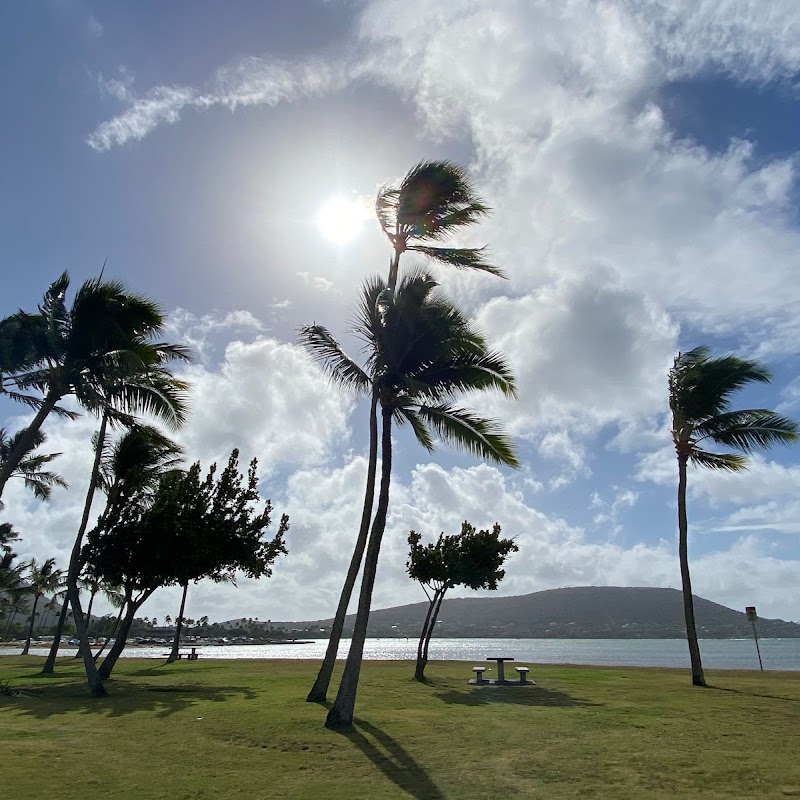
{"points": [[241, 729]]}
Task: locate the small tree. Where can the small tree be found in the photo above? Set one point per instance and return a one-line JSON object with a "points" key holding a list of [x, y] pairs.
{"points": [[189, 529], [473, 559]]}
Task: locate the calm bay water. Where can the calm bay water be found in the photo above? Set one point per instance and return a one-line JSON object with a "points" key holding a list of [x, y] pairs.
{"points": [[777, 654]]}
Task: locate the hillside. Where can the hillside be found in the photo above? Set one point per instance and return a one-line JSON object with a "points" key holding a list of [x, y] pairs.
{"points": [[578, 612]]}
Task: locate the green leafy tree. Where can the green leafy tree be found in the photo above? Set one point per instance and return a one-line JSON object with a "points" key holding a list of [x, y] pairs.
{"points": [[421, 353], [210, 523], [472, 558], [42, 579], [700, 392], [433, 202]]}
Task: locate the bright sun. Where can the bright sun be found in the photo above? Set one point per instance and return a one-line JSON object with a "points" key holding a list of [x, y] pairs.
{"points": [[340, 220]]}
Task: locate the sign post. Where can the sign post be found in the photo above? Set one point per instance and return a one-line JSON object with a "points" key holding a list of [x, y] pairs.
{"points": [[752, 617]]}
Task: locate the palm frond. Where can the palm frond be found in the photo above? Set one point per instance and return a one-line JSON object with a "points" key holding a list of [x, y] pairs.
{"points": [[339, 368], [730, 462], [467, 431], [459, 257], [748, 430], [407, 415]]}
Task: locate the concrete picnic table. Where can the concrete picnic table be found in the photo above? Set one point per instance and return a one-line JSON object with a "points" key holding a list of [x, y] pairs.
{"points": [[501, 673]]}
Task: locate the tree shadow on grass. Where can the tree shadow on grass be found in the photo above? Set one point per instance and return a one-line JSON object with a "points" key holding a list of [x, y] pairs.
{"points": [[753, 694], [511, 695], [161, 701], [393, 760]]}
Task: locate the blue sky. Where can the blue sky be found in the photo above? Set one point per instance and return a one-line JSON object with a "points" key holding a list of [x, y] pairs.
{"points": [[641, 161]]}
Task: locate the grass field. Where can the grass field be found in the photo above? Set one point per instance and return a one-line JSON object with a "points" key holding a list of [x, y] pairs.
{"points": [[241, 729]]}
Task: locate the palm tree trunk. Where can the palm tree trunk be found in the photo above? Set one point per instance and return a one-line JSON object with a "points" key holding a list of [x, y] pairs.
{"points": [[698, 678], [25, 441], [176, 642], [92, 676], [30, 627], [92, 595], [341, 713], [394, 268], [50, 663], [319, 691]]}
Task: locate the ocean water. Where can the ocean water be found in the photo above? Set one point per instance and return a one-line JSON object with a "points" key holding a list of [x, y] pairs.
{"points": [[777, 654]]}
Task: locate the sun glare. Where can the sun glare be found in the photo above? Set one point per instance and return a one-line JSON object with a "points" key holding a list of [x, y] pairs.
{"points": [[340, 220]]}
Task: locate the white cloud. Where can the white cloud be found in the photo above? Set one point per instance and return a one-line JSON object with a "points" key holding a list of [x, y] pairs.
{"points": [[250, 82]]}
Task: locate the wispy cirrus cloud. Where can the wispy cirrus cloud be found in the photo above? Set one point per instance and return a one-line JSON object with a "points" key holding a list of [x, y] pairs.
{"points": [[249, 82]]}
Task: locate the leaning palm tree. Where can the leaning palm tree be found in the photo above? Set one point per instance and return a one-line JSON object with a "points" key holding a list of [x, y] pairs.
{"points": [[433, 201], [700, 391], [421, 352], [42, 579], [73, 350], [31, 467]]}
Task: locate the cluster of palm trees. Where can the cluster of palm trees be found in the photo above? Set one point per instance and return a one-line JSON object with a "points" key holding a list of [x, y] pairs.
{"points": [[101, 352]]}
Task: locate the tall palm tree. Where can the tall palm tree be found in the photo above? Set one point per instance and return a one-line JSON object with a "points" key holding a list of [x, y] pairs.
{"points": [[30, 467], [13, 589], [421, 352], [43, 579], [61, 351], [700, 391], [433, 201]]}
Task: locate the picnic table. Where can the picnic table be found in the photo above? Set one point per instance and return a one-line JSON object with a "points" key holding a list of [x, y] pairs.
{"points": [[501, 674]]}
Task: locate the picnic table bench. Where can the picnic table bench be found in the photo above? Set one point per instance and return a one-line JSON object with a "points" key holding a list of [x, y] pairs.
{"points": [[193, 655], [522, 672]]}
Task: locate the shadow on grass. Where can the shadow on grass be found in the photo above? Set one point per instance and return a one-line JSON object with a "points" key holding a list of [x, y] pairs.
{"points": [[753, 694], [393, 760], [161, 701], [527, 696]]}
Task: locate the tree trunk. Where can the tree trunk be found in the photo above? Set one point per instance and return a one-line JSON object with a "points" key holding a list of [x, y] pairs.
{"points": [[432, 626], [92, 676], [419, 671], [92, 595], [50, 663], [319, 691], [698, 678], [25, 441], [394, 268], [341, 713], [176, 642], [119, 645], [112, 634], [30, 627]]}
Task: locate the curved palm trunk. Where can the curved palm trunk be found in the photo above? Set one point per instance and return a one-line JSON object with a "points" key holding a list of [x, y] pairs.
{"points": [[698, 678], [30, 627], [422, 657], [319, 691], [73, 593], [25, 441], [341, 713], [176, 642], [50, 663]]}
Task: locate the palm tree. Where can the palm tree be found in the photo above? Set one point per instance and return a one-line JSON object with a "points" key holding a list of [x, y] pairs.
{"points": [[433, 201], [421, 351], [59, 351], [31, 466], [13, 589], [700, 391], [43, 579]]}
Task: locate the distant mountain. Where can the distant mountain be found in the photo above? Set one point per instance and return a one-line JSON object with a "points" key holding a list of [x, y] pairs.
{"points": [[581, 612]]}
